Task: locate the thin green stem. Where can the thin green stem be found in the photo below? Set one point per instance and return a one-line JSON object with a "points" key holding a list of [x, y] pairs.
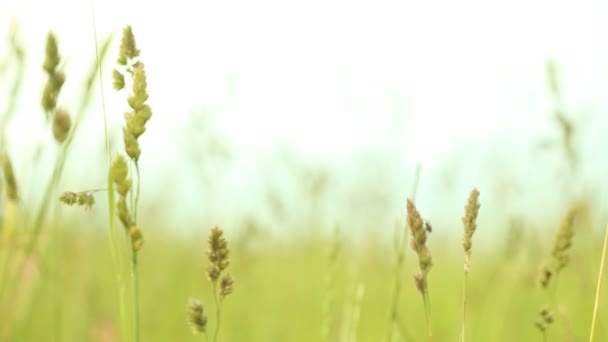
{"points": [[400, 248], [10, 252], [218, 308], [464, 306], [427, 308], [135, 278], [599, 286]]}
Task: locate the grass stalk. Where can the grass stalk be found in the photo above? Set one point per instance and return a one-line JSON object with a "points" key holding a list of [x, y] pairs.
{"points": [[599, 286], [427, 310], [464, 306], [218, 310], [400, 243], [136, 313], [117, 260]]}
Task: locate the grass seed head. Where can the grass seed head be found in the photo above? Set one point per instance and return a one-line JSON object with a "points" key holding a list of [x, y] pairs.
{"points": [[61, 125], [83, 199], [469, 221], [563, 240], [52, 59], [196, 316], [119, 172], [419, 235], [137, 238], [226, 285], [545, 276], [9, 177], [119, 169], [131, 144], [123, 213], [218, 254], [56, 78], [128, 50], [420, 282], [118, 80]]}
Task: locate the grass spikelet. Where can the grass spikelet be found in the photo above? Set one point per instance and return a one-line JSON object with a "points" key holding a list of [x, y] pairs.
{"points": [[10, 183], [122, 184], [560, 259], [226, 285], [196, 316], [56, 77], [128, 50], [136, 119], [218, 256], [563, 241], [469, 220], [470, 225], [82, 199], [9, 186], [61, 125], [418, 244]]}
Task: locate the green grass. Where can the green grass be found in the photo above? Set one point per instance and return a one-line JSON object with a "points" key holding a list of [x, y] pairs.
{"points": [[62, 282], [280, 291]]}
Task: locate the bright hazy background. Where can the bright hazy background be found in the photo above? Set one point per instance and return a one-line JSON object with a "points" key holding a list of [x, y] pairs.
{"points": [[278, 110]]}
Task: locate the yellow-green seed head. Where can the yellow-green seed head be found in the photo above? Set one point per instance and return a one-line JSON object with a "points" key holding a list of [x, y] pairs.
{"points": [[144, 112], [51, 91], [218, 254], [469, 219], [119, 169], [140, 85], [118, 80], [68, 198], [85, 199], [135, 124], [563, 240], [128, 50], [49, 98], [226, 285], [56, 78], [419, 236], [52, 58], [124, 187], [196, 316], [9, 177], [61, 125], [213, 273], [137, 238], [123, 213], [131, 144], [420, 282], [545, 276]]}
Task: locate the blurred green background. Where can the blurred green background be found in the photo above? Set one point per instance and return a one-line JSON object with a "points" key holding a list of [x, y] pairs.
{"points": [[301, 128]]}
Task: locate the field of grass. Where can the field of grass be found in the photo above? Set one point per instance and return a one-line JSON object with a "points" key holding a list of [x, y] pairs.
{"points": [[120, 276]]}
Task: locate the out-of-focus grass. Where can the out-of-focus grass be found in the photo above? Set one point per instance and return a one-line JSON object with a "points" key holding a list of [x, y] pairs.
{"points": [[66, 290], [279, 291]]}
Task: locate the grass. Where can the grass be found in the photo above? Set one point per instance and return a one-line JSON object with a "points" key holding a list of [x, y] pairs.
{"points": [[288, 290], [279, 292]]}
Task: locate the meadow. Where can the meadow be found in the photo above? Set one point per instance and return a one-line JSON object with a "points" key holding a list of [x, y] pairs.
{"points": [[88, 265]]}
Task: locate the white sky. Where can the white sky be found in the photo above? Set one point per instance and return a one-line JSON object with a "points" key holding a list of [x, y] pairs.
{"points": [[331, 81]]}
